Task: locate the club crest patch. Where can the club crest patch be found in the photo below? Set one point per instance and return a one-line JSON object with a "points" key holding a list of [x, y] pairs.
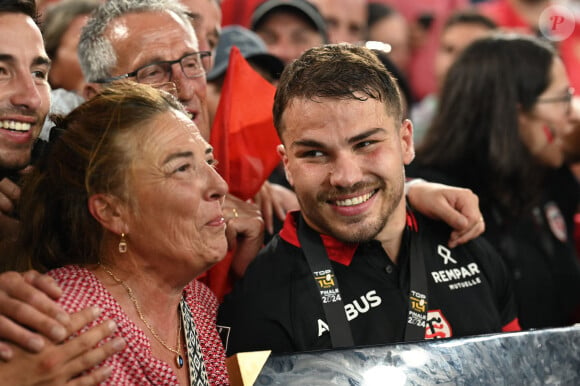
{"points": [[437, 326], [556, 221]]}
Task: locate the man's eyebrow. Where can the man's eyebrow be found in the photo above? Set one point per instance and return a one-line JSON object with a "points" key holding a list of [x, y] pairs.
{"points": [[307, 143], [183, 154], [39, 60], [365, 135], [356, 138], [6, 58]]}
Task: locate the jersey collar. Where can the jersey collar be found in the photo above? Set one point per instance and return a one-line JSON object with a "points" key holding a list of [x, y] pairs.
{"points": [[338, 251]]}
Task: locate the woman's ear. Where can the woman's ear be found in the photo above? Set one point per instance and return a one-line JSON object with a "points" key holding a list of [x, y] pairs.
{"points": [[108, 210]]}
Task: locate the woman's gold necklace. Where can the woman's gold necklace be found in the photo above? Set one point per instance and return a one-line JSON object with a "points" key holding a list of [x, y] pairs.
{"points": [[178, 358]]}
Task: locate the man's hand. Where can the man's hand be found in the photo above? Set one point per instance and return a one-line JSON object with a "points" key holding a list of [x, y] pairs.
{"points": [[245, 232], [28, 300], [457, 207], [275, 200], [57, 364]]}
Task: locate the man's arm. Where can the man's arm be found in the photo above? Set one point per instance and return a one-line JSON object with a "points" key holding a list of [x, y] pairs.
{"points": [[457, 207]]}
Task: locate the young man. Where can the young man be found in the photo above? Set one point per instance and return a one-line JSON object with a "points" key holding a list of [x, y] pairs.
{"points": [[356, 266], [24, 103], [24, 100]]}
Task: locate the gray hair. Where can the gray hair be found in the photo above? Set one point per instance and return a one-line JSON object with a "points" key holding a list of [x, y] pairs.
{"points": [[96, 54]]}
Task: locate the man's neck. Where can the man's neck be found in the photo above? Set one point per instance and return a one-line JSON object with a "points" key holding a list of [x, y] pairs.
{"points": [[391, 236]]}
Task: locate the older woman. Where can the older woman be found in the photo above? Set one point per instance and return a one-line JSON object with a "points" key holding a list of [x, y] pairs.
{"points": [[125, 211]]}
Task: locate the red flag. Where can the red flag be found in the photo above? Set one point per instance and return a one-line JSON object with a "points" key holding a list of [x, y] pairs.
{"points": [[243, 134]]}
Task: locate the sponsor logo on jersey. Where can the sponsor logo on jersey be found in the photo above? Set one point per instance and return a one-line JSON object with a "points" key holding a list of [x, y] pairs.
{"points": [[556, 221], [353, 310], [456, 276], [437, 326]]}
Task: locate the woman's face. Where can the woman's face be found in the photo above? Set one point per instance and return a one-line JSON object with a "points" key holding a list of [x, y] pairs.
{"points": [[175, 220], [549, 120]]}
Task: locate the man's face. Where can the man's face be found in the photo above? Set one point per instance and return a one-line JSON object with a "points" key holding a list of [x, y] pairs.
{"points": [[24, 89], [287, 35], [454, 40], [143, 38], [346, 20], [345, 160], [207, 23]]}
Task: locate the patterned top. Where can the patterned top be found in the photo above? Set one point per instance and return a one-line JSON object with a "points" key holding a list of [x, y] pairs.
{"points": [[135, 365]]}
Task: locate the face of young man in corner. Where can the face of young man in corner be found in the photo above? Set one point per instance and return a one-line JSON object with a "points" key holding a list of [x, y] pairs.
{"points": [[24, 89]]}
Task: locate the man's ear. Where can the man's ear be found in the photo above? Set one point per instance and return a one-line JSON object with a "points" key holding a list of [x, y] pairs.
{"points": [[108, 210], [407, 145], [284, 157], [91, 89]]}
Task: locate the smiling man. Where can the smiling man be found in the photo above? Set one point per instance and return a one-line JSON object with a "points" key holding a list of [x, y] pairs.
{"points": [[111, 47], [356, 266], [24, 102], [24, 89]]}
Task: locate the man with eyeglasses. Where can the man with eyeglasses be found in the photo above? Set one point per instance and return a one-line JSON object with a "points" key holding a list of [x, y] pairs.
{"points": [[156, 36]]}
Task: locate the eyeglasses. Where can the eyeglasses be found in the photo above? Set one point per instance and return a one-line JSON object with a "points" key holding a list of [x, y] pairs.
{"points": [[161, 72], [564, 98]]}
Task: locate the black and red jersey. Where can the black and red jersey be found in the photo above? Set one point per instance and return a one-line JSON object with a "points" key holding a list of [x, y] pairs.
{"points": [[277, 306]]}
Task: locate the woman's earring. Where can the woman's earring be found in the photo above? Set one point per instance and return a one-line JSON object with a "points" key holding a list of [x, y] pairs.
{"points": [[123, 244]]}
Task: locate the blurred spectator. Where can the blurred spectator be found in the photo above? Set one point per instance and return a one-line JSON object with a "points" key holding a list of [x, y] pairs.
{"points": [[206, 17], [289, 27], [61, 30], [524, 16], [346, 20], [426, 19], [41, 5], [399, 77], [460, 30], [252, 48], [387, 25], [489, 136]]}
